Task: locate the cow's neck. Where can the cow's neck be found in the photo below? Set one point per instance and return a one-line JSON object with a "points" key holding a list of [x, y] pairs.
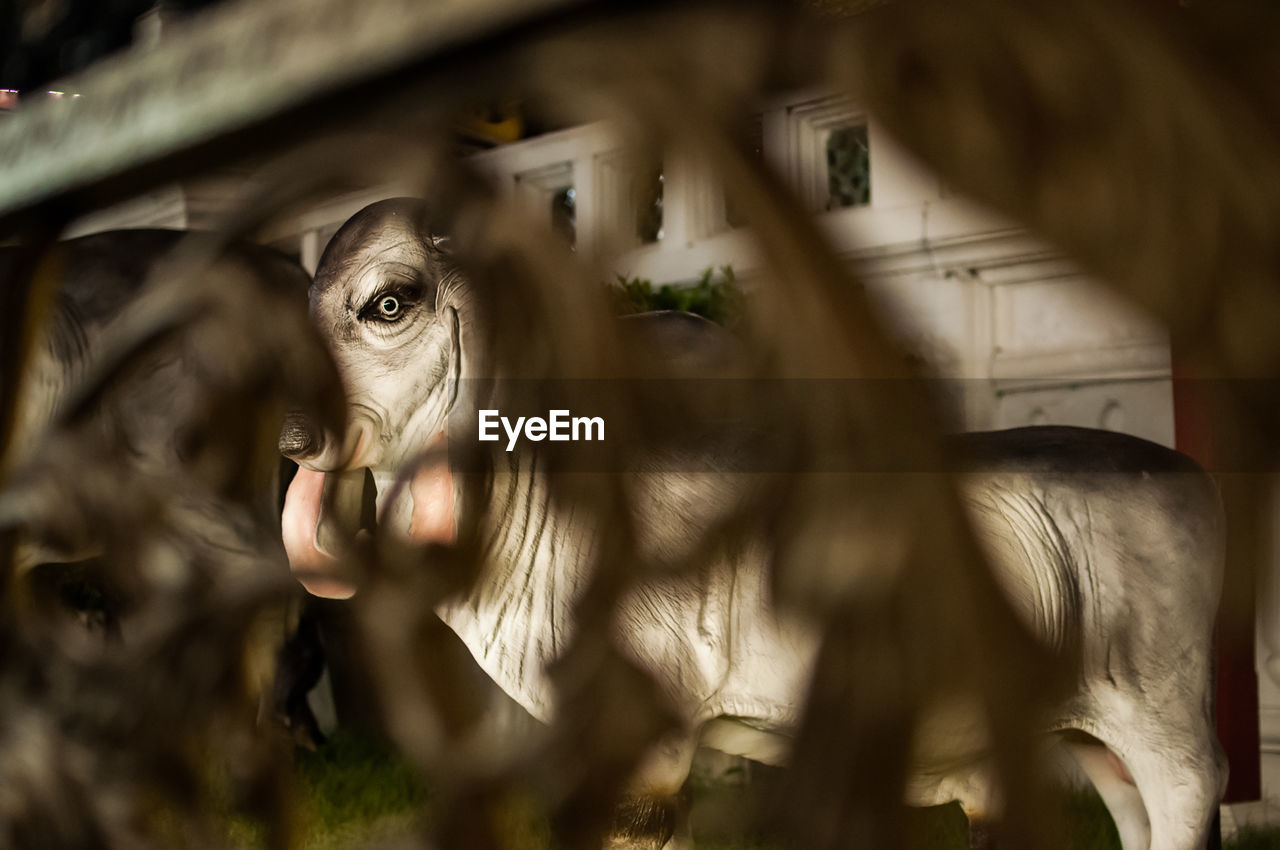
{"points": [[516, 619]]}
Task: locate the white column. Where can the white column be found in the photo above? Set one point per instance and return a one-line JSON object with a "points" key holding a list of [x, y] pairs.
{"points": [[978, 350], [587, 203], [309, 249]]}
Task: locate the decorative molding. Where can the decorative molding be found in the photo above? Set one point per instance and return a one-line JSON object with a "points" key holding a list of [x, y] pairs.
{"points": [[1138, 360], [990, 255], [568, 145]]}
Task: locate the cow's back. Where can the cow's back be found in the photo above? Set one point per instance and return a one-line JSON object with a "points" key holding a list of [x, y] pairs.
{"points": [[1097, 536], [1063, 450], [100, 302], [99, 278]]}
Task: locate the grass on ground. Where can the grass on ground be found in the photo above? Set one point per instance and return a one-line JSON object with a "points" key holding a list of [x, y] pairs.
{"points": [[355, 791]]}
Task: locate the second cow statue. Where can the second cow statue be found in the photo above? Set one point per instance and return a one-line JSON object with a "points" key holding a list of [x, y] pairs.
{"points": [[136, 466]]}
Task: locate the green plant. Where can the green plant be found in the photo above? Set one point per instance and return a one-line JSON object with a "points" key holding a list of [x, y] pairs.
{"points": [[715, 296]]}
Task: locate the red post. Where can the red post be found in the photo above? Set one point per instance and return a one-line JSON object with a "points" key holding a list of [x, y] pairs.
{"points": [[1243, 497]]}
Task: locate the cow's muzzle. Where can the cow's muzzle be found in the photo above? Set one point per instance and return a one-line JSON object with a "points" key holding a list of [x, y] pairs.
{"points": [[301, 440], [299, 437]]}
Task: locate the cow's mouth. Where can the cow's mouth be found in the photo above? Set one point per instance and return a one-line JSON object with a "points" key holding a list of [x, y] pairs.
{"points": [[324, 512]]}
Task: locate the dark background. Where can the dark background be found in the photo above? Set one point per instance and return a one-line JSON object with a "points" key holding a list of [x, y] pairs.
{"points": [[42, 41]]}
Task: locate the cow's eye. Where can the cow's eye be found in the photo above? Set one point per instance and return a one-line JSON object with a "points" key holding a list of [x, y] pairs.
{"points": [[388, 307]]}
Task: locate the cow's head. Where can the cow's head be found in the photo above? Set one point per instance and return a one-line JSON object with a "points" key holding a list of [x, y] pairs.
{"points": [[387, 300]]}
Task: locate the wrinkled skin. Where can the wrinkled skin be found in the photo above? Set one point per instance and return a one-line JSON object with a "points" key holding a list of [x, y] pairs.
{"points": [[394, 413], [1108, 546]]}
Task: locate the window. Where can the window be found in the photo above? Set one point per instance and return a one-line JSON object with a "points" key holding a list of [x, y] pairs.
{"points": [[550, 192], [827, 153], [848, 167], [564, 214], [646, 193]]}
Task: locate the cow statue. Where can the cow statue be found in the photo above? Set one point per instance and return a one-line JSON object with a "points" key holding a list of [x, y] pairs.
{"points": [[1099, 538], [136, 431]]}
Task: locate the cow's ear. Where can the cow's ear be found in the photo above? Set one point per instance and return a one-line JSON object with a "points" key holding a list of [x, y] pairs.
{"points": [[453, 372]]}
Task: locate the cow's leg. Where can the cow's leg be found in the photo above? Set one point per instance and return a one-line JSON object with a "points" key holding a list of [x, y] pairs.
{"points": [[656, 816], [982, 832], [1181, 790], [983, 810], [299, 666], [682, 833], [1116, 788], [651, 823], [975, 792], [1179, 773]]}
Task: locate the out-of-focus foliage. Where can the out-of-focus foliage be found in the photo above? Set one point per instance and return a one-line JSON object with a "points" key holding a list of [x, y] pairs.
{"points": [[718, 298], [1143, 140]]}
